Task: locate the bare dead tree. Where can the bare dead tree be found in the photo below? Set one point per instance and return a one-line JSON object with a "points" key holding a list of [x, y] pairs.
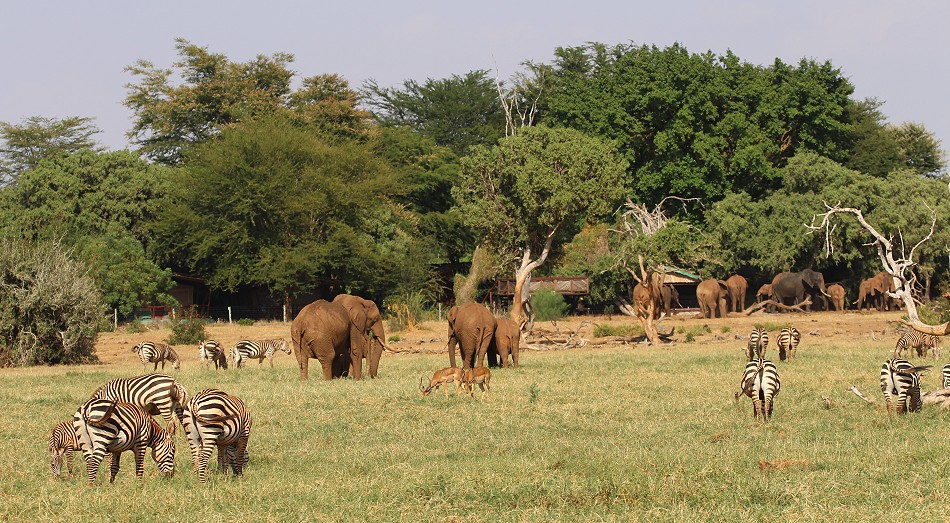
{"points": [[897, 261], [515, 101], [639, 220]]}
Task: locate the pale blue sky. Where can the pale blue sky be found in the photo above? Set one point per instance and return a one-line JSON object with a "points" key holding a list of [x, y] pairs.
{"points": [[66, 58]]}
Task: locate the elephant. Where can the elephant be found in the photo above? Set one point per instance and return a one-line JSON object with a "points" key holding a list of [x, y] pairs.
{"points": [[880, 284], [662, 302], [364, 314], [712, 296], [836, 291], [507, 340], [764, 293], [796, 285], [668, 295], [323, 330], [737, 290], [471, 327]]}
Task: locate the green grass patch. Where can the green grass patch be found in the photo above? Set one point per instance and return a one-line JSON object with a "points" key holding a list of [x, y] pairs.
{"points": [[626, 329], [772, 326], [600, 434]]}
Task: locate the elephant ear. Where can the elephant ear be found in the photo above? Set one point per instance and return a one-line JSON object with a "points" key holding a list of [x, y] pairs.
{"points": [[723, 285]]}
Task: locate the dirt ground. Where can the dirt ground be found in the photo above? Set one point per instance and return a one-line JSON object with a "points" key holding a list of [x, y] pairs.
{"points": [[430, 338]]}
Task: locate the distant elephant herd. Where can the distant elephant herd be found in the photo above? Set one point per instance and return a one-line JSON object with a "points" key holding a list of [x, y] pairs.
{"points": [[718, 297]]}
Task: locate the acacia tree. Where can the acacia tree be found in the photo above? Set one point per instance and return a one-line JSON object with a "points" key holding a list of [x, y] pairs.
{"points": [[25, 144], [533, 187]]}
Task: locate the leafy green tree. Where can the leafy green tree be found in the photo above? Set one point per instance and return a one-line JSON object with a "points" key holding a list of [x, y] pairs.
{"points": [[457, 112], [102, 205], [24, 145], [874, 150], [920, 150], [270, 203], [534, 187], [699, 125], [216, 93]]}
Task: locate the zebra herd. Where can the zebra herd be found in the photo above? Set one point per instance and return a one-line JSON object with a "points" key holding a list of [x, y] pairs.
{"points": [[118, 417], [900, 380], [211, 351], [760, 380]]}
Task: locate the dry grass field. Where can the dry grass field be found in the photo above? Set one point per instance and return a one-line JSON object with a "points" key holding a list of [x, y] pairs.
{"points": [[608, 432]]}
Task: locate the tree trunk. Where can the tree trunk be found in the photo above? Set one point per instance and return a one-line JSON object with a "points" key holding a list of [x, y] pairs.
{"points": [[521, 298]]}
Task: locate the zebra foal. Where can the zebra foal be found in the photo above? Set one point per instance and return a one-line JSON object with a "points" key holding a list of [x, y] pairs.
{"points": [[106, 426], [758, 342], [150, 352], [62, 443], [214, 418]]}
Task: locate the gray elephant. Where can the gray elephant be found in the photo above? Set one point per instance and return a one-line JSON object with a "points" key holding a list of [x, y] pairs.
{"points": [[507, 340], [365, 317], [795, 286], [323, 330], [471, 327], [712, 296]]}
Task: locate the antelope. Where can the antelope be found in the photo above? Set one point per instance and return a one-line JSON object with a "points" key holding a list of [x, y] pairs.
{"points": [[441, 378], [480, 376]]}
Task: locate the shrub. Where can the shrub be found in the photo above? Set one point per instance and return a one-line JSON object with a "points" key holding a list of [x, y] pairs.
{"points": [[188, 330], [245, 322], [135, 326], [548, 305], [394, 338], [405, 311], [50, 307], [630, 329]]}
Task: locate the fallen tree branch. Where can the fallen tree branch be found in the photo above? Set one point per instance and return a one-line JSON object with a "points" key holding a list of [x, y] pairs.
{"points": [[857, 393], [761, 305]]}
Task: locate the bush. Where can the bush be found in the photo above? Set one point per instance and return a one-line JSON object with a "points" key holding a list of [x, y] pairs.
{"points": [[629, 329], [188, 330], [50, 307], [548, 306], [136, 326], [405, 311], [245, 322]]}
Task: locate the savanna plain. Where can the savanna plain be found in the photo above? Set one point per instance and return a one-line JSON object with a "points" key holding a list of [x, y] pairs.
{"points": [[615, 432]]}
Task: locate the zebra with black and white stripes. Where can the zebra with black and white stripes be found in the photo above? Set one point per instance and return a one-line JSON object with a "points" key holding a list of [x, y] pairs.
{"points": [[788, 341], [62, 443], [214, 418], [919, 342], [259, 349], [156, 393], [151, 352], [210, 351], [760, 382], [900, 383], [758, 342], [946, 376], [106, 426]]}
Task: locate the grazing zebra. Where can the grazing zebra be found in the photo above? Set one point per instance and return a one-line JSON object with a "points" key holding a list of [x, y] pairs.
{"points": [[106, 426], [260, 349], [213, 418], [62, 443], [758, 342], [150, 352], [156, 393], [761, 383], [901, 380], [788, 341], [210, 351], [917, 341], [946, 376]]}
